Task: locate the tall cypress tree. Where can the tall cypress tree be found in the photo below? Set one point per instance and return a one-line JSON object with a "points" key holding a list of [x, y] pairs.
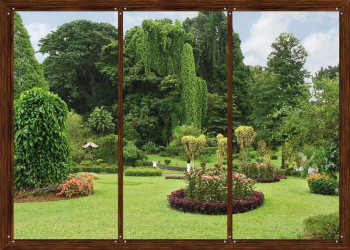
{"points": [[27, 71], [194, 90]]}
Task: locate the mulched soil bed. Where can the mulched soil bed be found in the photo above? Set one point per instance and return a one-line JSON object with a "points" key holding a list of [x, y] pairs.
{"points": [[177, 201], [38, 198]]}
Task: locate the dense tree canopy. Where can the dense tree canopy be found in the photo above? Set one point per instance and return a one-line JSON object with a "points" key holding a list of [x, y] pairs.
{"points": [[287, 61], [72, 66], [27, 71]]}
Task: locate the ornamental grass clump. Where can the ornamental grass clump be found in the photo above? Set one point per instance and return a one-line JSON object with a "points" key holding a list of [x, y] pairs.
{"points": [[211, 185], [322, 184]]}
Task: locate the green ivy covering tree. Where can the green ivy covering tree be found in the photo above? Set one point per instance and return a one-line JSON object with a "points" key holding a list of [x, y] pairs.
{"points": [[194, 90], [41, 147]]}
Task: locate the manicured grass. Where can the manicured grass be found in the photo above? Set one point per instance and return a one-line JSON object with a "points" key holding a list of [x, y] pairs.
{"points": [[147, 215]]}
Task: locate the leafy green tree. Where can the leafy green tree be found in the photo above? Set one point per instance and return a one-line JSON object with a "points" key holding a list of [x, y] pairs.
{"points": [[41, 147], [315, 123], [194, 90], [109, 149], [209, 32], [329, 72], [287, 61], [245, 136], [141, 112], [73, 66], [27, 72], [76, 135], [266, 104], [193, 147], [100, 121], [181, 131]]}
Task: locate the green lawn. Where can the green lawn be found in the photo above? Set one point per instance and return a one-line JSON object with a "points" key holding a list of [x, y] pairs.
{"points": [[147, 215], [178, 162]]}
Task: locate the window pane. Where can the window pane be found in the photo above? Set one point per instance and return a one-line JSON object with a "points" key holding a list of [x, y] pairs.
{"points": [[286, 87], [175, 81], [65, 183]]}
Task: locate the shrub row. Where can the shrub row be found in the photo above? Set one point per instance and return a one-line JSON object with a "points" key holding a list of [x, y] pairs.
{"points": [[262, 172], [96, 169], [274, 179], [177, 201], [175, 177], [142, 171]]}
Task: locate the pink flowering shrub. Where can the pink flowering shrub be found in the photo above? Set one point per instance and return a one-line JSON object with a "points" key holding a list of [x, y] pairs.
{"points": [[77, 185], [211, 185]]}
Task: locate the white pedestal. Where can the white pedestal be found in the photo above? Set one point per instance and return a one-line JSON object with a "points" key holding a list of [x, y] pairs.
{"points": [[154, 163], [188, 167]]}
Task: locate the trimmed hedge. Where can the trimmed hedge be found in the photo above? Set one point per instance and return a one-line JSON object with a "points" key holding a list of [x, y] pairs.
{"points": [[177, 201], [143, 171], [274, 179], [175, 177]]}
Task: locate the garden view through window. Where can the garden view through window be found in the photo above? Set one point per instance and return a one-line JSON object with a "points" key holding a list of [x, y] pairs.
{"points": [[285, 159]]}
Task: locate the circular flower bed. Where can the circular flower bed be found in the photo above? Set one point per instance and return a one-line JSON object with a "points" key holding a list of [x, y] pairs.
{"points": [[206, 193], [177, 201]]}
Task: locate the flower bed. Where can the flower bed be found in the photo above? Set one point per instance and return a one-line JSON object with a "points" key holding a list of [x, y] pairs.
{"points": [[261, 172], [322, 184], [206, 193], [177, 201]]}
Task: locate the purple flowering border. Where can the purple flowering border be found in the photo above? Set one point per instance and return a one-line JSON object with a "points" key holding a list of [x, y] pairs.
{"points": [[274, 179], [177, 201]]}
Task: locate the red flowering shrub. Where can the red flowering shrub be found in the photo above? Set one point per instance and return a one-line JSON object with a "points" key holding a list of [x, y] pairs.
{"points": [[77, 185], [262, 172], [211, 185]]}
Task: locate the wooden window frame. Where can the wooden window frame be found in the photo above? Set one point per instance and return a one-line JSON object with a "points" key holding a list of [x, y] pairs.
{"points": [[6, 118]]}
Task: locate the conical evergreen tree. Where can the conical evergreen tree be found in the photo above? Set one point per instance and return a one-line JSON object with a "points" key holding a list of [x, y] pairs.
{"points": [[27, 71]]}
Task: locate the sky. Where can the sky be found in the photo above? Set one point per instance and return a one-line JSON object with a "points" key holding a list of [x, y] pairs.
{"points": [[317, 31]]}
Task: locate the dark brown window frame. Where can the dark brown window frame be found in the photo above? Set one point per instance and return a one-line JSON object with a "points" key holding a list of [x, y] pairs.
{"points": [[6, 118]]}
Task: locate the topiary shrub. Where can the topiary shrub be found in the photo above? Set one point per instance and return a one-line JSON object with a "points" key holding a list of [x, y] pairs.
{"points": [[253, 154], [322, 184], [324, 226], [143, 171], [86, 163], [99, 161], [274, 157], [138, 163], [109, 149], [42, 154], [163, 154], [167, 161]]}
